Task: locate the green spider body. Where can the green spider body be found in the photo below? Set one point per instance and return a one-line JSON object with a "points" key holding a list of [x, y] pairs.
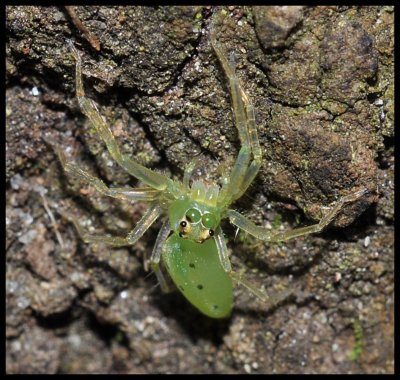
{"points": [[190, 243], [190, 254], [197, 272]]}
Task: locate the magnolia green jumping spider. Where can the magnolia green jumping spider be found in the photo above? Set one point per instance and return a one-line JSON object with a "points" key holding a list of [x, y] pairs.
{"points": [[191, 244]]}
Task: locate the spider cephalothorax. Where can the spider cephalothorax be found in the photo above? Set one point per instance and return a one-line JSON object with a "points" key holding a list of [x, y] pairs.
{"points": [[194, 215], [193, 220]]}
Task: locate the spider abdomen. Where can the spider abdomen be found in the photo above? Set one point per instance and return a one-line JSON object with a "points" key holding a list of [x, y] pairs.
{"points": [[197, 272]]}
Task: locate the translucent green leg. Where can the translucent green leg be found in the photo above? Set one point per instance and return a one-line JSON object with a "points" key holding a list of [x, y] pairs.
{"points": [[261, 233], [189, 170], [236, 93], [89, 108], [242, 174], [255, 165], [244, 156], [116, 241], [156, 257], [125, 193], [236, 277]]}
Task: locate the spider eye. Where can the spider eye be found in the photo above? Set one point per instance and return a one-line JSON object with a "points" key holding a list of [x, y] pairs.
{"points": [[211, 232], [183, 224], [193, 215], [208, 220]]}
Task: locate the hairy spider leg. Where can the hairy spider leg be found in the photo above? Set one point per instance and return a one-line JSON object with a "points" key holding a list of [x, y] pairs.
{"points": [[226, 264], [243, 223], [189, 170], [255, 146], [262, 233], [89, 108], [243, 172], [155, 257], [149, 217], [124, 193]]}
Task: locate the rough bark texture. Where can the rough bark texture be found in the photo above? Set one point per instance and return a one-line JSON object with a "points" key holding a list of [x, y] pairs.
{"points": [[321, 80]]}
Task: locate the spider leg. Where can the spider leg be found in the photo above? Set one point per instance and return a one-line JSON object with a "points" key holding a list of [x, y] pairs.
{"points": [[261, 233], [89, 108], [155, 257], [189, 170], [235, 276], [244, 170], [255, 165], [125, 193], [141, 227]]}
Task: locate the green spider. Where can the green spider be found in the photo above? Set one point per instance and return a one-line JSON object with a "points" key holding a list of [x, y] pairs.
{"points": [[191, 244]]}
